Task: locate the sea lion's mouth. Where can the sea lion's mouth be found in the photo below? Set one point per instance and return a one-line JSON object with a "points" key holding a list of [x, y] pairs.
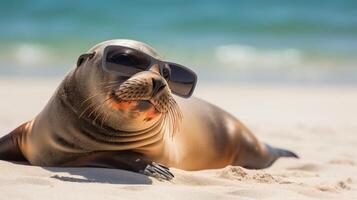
{"points": [[164, 104], [135, 105]]}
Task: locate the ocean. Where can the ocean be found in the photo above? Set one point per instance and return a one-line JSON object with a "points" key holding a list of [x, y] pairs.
{"points": [[245, 41]]}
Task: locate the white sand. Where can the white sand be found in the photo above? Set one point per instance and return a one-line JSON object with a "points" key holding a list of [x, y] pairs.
{"points": [[319, 123]]}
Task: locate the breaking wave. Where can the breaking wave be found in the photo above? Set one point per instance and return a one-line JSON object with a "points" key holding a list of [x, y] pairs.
{"points": [[243, 56]]}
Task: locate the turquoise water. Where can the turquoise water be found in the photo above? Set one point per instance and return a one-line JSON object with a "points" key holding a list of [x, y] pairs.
{"points": [[257, 40]]}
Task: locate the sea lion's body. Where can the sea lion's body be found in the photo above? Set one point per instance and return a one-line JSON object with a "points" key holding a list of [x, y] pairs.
{"points": [[212, 138], [208, 137]]}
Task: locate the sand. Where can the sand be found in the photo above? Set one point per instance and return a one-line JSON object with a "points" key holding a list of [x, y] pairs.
{"points": [[317, 122]]}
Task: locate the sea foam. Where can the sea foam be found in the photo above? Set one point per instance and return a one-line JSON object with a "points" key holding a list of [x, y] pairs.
{"points": [[244, 56], [31, 54]]}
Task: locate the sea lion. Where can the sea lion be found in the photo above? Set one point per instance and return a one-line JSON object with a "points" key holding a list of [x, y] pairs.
{"points": [[100, 119]]}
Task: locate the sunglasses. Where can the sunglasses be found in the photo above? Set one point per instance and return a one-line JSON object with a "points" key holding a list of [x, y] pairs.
{"points": [[126, 61]]}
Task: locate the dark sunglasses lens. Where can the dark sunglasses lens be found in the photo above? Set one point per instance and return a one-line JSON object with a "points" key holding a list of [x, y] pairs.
{"points": [[125, 61], [182, 80]]}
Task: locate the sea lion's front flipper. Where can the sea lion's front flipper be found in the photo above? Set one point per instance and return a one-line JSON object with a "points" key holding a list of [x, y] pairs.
{"points": [[158, 171], [126, 160], [10, 145]]}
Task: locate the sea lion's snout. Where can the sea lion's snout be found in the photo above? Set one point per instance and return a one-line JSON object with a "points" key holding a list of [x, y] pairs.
{"points": [[146, 86], [146, 96]]}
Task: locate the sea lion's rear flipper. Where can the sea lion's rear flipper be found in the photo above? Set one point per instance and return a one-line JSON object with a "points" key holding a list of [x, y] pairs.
{"points": [[278, 152], [275, 153], [266, 155], [9, 145], [126, 160]]}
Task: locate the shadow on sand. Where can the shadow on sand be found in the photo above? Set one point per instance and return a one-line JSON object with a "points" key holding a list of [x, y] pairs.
{"points": [[95, 175], [98, 175]]}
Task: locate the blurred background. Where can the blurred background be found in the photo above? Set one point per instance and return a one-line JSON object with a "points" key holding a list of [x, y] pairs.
{"points": [[275, 41]]}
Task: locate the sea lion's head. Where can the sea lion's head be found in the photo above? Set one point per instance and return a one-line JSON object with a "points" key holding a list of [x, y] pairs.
{"points": [[120, 102]]}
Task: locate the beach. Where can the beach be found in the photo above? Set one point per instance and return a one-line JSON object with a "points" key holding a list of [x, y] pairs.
{"points": [[286, 69], [318, 122]]}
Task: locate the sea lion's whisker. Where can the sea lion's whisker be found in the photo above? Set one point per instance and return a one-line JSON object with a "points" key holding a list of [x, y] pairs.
{"points": [[98, 112], [109, 86], [102, 112], [93, 110], [95, 95], [110, 82], [97, 108], [172, 121], [89, 98], [175, 111], [167, 123], [86, 109], [106, 115], [91, 105]]}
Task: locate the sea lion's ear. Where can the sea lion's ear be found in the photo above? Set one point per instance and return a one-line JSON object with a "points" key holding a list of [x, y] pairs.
{"points": [[82, 57]]}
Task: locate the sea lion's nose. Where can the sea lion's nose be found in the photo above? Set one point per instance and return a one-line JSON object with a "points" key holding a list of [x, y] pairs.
{"points": [[158, 86]]}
